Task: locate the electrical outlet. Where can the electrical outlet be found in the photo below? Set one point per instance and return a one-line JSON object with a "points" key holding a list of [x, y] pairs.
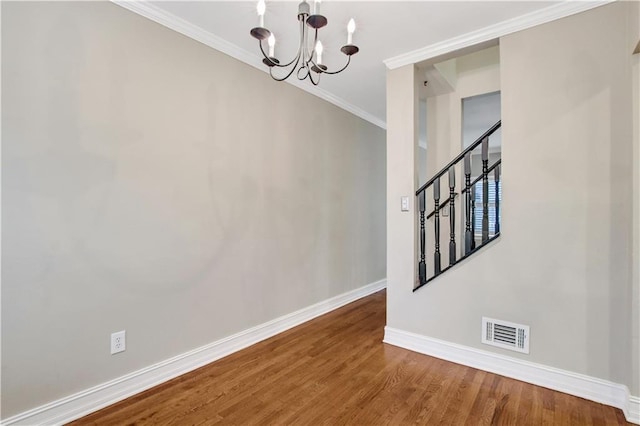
{"points": [[118, 342]]}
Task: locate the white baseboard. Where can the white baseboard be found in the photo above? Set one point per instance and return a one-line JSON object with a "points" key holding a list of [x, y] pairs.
{"points": [[82, 403], [634, 410], [587, 387]]}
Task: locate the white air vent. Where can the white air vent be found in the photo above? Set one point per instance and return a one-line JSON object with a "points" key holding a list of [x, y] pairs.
{"points": [[505, 334]]}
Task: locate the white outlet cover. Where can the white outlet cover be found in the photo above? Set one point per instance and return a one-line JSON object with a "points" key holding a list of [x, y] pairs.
{"points": [[118, 342]]}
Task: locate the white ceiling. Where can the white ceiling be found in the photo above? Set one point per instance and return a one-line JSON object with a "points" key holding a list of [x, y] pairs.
{"points": [[401, 31]]}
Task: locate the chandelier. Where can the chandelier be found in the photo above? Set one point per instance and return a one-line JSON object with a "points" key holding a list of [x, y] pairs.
{"points": [[308, 60]]}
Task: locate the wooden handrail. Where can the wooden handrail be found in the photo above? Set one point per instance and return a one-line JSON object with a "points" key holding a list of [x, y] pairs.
{"points": [[444, 203], [460, 156], [469, 204], [479, 178]]}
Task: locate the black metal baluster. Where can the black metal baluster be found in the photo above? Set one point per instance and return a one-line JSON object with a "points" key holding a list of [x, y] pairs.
{"points": [[496, 178], [452, 215], [422, 265], [485, 190], [436, 199], [474, 238], [468, 234], [473, 217]]}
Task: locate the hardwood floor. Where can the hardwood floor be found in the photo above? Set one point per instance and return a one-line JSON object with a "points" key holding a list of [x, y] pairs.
{"points": [[335, 370]]}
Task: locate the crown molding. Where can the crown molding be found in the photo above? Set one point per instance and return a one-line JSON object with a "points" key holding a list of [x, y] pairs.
{"points": [[171, 21], [493, 32]]}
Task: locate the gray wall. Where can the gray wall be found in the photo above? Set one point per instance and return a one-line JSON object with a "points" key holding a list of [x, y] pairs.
{"points": [[635, 319], [476, 74], [564, 262], [152, 184], [571, 144]]}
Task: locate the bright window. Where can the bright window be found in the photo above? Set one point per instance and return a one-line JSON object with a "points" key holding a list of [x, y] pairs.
{"points": [[492, 206]]}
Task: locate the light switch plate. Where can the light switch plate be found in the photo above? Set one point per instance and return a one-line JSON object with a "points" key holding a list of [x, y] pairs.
{"points": [[404, 204]]}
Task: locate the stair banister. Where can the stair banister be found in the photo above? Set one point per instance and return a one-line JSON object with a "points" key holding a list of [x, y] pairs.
{"points": [[468, 190], [470, 148]]}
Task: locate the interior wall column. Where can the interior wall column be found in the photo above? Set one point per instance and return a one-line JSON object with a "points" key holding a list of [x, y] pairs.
{"points": [[402, 175]]}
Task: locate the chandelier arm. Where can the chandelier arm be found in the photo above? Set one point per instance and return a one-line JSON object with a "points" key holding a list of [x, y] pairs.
{"points": [[315, 83], [288, 75], [303, 40], [273, 63], [305, 71], [310, 53], [341, 69]]}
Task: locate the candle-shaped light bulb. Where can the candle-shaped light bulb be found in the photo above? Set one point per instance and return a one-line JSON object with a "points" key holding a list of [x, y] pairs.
{"points": [[351, 27], [316, 7], [262, 7], [319, 52], [272, 45]]}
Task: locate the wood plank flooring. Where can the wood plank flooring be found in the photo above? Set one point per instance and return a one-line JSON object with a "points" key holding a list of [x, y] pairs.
{"points": [[335, 370]]}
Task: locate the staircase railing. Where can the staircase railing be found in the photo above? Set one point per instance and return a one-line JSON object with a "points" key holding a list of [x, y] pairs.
{"points": [[467, 216]]}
